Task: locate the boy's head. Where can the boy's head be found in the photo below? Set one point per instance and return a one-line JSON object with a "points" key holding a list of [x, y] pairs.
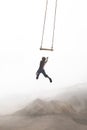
{"points": [[43, 58]]}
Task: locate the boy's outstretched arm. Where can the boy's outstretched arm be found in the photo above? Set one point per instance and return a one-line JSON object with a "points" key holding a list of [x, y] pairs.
{"points": [[46, 59]]}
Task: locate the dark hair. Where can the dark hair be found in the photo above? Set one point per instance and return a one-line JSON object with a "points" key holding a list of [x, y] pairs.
{"points": [[43, 58]]}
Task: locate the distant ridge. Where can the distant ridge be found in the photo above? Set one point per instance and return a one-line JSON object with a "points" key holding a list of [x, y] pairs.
{"points": [[41, 107], [74, 100]]}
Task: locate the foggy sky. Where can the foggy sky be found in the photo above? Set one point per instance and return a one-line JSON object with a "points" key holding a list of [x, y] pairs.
{"points": [[21, 24]]}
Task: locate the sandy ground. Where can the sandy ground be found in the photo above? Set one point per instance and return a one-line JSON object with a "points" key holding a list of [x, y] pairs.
{"points": [[46, 122]]}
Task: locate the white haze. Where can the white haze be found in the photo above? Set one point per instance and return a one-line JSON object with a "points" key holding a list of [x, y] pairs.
{"points": [[21, 23]]}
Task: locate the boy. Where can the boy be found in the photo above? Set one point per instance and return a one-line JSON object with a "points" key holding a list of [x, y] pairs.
{"points": [[41, 69]]}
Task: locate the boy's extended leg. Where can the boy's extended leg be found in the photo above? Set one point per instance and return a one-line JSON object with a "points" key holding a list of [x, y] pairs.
{"points": [[50, 79], [44, 73]]}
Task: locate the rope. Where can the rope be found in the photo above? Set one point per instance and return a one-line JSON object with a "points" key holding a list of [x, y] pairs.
{"points": [[44, 23], [53, 24]]}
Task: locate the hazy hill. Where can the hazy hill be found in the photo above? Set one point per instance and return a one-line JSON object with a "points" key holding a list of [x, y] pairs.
{"points": [[42, 107], [76, 96], [67, 112], [73, 100]]}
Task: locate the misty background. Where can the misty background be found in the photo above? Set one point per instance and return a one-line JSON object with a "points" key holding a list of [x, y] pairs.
{"points": [[21, 25]]}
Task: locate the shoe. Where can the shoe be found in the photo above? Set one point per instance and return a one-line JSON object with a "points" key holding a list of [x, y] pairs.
{"points": [[37, 77], [50, 80]]}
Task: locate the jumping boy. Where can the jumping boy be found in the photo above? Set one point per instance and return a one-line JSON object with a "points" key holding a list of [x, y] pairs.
{"points": [[41, 69]]}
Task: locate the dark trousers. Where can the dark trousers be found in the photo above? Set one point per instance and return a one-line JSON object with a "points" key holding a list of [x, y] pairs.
{"points": [[41, 71]]}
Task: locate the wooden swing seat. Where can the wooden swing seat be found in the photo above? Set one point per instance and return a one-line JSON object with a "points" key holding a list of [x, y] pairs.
{"points": [[47, 49]]}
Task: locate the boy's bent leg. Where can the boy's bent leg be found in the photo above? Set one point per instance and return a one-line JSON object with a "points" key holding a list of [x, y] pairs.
{"points": [[37, 75]]}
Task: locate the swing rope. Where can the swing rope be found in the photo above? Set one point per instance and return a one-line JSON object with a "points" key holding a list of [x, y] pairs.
{"points": [[54, 24], [51, 49], [44, 24]]}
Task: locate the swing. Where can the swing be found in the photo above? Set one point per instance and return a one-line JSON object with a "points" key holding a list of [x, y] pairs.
{"points": [[41, 47], [46, 49]]}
